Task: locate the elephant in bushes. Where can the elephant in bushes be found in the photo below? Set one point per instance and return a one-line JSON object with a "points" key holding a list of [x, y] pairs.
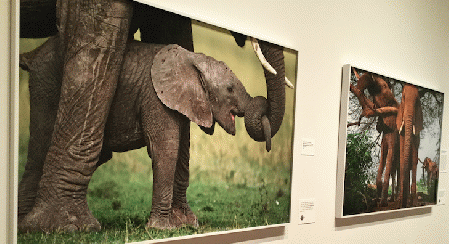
{"points": [[409, 124], [160, 90], [384, 105], [431, 169]]}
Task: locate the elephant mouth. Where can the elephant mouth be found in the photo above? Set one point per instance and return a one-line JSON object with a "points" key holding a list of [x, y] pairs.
{"points": [[229, 123], [236, 112]]}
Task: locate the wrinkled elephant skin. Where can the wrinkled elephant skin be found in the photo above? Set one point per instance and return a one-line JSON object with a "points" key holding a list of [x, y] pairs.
{"points": [[94, 35], [150, 88], [409, 124], [88, 44], [382, 97], [263, 121], [431, 169]]}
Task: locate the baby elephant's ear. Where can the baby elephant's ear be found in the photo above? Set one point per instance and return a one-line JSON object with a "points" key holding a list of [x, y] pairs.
{"points": [[178, 84]]}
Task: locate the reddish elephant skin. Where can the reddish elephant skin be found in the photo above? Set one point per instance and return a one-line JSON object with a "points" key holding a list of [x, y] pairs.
{"points": [[383, 97], [431, 169], [409, 123]]}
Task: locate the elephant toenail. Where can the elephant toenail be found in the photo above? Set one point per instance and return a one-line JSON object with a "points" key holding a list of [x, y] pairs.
{"points": [[70, 228]]}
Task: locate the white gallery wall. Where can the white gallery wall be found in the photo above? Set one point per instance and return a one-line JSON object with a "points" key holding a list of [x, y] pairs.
{"points": [[5, 118], [406, 40]]}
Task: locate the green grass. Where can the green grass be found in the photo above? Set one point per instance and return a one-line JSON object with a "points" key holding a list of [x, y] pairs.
{"points": [[234, 182], [120, 193], [420, 187]]}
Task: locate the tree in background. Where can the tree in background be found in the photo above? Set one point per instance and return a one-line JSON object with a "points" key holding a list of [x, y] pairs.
{"points": [[358, 176]]}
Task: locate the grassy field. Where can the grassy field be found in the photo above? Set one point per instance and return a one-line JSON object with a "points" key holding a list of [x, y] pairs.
{"points": [[234, 182]]}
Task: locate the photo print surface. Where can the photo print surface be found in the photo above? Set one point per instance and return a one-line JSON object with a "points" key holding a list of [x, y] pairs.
{"points": [[392, 131], [226, 174]]}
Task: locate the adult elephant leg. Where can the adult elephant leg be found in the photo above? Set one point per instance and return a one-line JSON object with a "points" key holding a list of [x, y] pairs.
{"points": [[414, 166], [388, 168], [37, 18], [380, 169], [404, 179], [395, 172], [44, 97], [163, 27], [181, 212], [93, 40]]}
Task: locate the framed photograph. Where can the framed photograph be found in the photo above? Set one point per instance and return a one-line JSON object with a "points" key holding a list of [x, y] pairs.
{"points": [[389, 144], [236, 183]]}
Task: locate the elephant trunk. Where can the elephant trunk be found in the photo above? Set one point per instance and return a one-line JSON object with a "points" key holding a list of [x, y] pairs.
{"points": [[406, 152], [409, 126], [263, 117]]}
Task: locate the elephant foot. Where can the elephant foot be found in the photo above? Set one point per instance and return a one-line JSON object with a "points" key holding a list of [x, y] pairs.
{"points": [[160, 222], [184, 216], [414, 200], [27, 191], [62, 216], [383, 202], [178, 217], [396, 205], [25, 205]]}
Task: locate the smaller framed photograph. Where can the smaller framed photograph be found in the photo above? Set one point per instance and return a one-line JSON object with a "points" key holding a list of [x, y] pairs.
{"points": [[389, 144]]}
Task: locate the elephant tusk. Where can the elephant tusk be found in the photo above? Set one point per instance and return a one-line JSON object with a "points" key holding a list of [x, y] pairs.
{"points": [[262, 59], [264, 62], [414, 131], [267, 132], [289, 83], [400, 128]]}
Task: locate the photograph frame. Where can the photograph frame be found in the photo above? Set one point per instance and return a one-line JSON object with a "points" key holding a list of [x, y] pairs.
{"points": [[345, 220], [272, 232]]}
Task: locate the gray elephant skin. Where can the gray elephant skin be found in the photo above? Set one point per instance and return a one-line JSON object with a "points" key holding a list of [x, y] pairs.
{"points": [[94, 34], [161, 89]]}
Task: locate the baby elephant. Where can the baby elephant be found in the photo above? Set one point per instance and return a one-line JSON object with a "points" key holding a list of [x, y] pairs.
{"points": [[161, 89]]}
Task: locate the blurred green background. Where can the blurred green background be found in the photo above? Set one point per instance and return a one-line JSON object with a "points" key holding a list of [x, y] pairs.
{"points": [[234, 182]]}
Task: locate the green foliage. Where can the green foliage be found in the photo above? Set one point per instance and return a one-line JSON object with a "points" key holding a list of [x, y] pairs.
{"points": [[357, 194], [432, 191], [421, 185], [429, 191]]}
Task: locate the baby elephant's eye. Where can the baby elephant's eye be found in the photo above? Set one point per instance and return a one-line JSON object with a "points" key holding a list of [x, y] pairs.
{"points": [[230, 89]]}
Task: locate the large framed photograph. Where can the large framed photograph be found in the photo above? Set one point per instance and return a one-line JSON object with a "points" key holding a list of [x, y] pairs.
{"points": [[389, 144], [228, 175]]}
